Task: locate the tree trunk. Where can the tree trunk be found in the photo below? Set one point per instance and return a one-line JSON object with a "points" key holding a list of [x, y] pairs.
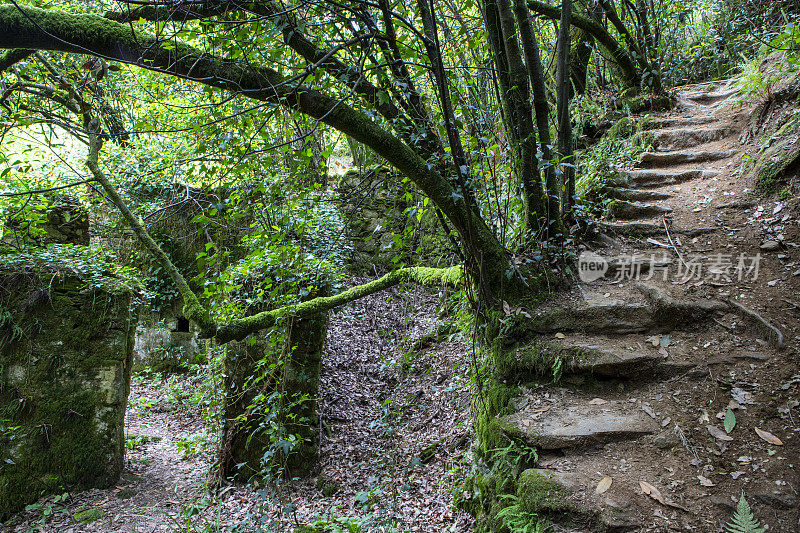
{"points": [[563, 91], [618, 55]]}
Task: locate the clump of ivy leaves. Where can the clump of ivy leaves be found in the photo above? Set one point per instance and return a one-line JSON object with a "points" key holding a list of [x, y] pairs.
{"points": [[95, 267]]}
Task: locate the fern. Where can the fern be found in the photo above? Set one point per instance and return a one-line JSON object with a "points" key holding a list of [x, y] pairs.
{"points": [[743, 519], [519, 520]]}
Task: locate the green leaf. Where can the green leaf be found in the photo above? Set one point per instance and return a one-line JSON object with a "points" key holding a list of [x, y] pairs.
{"points": [[743, 520], [730, 420]]}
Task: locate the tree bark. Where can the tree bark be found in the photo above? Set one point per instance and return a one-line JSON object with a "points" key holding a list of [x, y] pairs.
{"points": [[563, 90], [625, 65]]}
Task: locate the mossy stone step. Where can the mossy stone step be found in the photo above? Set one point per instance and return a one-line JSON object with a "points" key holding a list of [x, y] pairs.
{"points": [[650, 159], [656, 123], [600, 360], [708, 97], [659, 178], [569, 497], [648, 229], [666, 140], [635, 195], [625, 210], [573, 421]]}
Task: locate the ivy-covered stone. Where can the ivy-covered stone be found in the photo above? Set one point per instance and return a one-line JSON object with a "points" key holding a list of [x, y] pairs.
{"points": [[65, 359], [271, 384]]}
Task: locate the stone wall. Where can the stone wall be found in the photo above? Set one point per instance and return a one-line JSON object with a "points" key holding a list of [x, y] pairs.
{"points": [[286, 377], [65, 363], [376, 207]]}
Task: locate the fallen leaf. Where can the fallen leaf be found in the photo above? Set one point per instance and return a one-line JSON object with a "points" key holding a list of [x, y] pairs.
{"points": [[560, 336], [543, 409], [718, 433], [664, 341], [603, 486], [769, 437], [730, 421], [649, 410], [651, 491], [597, 401], [705, 481]]}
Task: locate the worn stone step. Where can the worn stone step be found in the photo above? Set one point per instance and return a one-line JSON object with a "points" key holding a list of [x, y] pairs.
{"points": [[572, 421], [649, 229], [570, 498], [625, 210], [605, 358], [647, 310], [666, 140], [635, 195], [709, 97], [657, 123], [652, 178], [651, 159]]}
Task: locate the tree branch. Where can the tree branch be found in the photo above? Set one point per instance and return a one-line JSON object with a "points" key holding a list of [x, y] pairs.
{"points": [[619, 55]]}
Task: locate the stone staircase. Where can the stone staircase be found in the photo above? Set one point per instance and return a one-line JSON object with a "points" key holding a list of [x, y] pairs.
{"points": [[622, 348]]}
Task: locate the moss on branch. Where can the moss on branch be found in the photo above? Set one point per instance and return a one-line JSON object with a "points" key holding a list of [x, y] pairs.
{"points": [[430, 277]]}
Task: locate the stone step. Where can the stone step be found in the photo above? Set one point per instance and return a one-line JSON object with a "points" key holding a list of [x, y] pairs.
{"points": [[651, 159], [569, 497], [608, 358], [667, 140], [657, 123], [649, 229], [652, 178], [709, 97], [570, 421], [635, 195], [648, 309], [625, 210]]}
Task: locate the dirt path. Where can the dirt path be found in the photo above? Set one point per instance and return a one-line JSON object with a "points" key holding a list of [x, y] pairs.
{"points": [[655, 356], [393, 433]]}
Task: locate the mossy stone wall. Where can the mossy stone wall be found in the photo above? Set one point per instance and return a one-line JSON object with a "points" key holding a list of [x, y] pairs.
{"points": [[374, 205], [65, 362], [271, 393]]}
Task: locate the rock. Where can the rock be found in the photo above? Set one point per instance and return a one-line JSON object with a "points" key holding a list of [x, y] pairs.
{"points": [[578, 424], [666, 440], [73, 371], [659, 178], [654, 123], [565, 494], [770, 246], [724, 502], [777, 499], [625, 210], [686, 138], [585, 358], [679, 158], [635, 195]]}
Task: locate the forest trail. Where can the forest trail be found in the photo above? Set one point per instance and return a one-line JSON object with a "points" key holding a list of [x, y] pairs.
{"points": [[654, 356]]}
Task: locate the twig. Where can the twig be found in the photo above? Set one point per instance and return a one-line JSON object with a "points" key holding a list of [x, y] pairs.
{"points": [[669, 237]]}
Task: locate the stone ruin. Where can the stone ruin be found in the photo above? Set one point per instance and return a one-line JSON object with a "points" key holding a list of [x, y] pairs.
{"points": [[378, 207], [66, 352]]}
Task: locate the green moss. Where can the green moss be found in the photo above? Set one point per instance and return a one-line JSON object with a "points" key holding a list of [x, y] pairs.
{"points": [[773, 164], [489, 404], [67, 392], [646, 102], [622, 129], [88, 516], [539, 494], [643, 141]]}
